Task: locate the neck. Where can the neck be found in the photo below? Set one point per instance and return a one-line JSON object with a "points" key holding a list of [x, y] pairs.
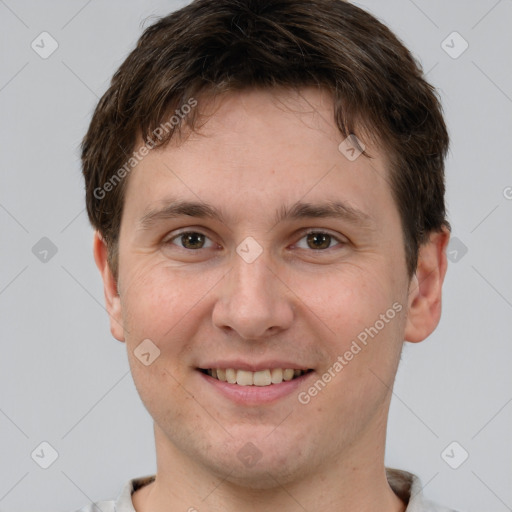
{"points": [[353, 479]]}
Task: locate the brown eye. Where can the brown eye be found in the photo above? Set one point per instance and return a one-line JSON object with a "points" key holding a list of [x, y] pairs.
{"points": [[319, 240], [190, 240]]}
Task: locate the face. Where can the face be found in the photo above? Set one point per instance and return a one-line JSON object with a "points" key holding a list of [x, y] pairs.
{"points": [[256, 245]]}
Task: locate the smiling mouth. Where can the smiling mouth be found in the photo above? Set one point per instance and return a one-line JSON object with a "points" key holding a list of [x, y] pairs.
{"points": [[259, 378]]}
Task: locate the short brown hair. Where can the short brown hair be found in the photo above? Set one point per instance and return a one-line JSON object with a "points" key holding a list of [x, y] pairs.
{"points": [[213, 46]]}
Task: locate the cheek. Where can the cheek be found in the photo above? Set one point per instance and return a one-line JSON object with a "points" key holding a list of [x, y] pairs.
{"points": [[156, 304], [365, 313], [349, 300], [159, 301]]}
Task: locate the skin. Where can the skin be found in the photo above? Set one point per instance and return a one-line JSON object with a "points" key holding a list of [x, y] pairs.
{"points": [[257, 152]]}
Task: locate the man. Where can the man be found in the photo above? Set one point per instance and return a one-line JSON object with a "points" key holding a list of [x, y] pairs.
{"points": [[266, 181]]}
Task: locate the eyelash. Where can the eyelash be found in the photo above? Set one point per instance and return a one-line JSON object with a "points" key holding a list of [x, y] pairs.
{"points": [[169, 241]]}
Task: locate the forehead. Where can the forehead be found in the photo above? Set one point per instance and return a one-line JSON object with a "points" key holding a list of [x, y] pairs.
{"points": [[262, 149]]}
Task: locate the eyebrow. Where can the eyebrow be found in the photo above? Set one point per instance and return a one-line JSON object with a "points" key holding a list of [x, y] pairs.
{"points": [[301, 210]]}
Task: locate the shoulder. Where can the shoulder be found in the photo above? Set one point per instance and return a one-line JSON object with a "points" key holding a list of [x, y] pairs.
{"points": [[408, 488], [123, 502]]}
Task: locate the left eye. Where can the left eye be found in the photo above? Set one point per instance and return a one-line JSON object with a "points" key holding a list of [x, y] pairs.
{"points": [[317, 240], [191, 240]]}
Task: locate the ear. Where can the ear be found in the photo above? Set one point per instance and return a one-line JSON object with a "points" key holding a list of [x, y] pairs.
{"points": [[425, 288], [112, 299]]}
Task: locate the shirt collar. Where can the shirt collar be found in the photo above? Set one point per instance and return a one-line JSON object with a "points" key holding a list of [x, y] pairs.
{"points": [[404, 484]]}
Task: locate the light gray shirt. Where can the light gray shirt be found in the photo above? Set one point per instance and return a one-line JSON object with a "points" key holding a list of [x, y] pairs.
{"points": [[405, 485]]}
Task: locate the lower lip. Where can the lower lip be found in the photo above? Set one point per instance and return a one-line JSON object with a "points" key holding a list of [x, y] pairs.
{"points": [[255, 395]]}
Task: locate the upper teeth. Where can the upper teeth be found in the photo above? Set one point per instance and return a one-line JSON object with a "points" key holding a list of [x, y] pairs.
{"points": [[260, 378]]}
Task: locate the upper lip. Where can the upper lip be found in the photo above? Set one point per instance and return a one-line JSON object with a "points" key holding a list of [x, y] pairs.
{"points": [[254, 367]]}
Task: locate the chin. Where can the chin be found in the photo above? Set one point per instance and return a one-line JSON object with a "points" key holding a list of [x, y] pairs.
{"points": [[262, 476], [264, 467]]}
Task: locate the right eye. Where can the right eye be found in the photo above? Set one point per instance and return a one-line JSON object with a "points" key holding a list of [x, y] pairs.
{"points": [[190, 240]]}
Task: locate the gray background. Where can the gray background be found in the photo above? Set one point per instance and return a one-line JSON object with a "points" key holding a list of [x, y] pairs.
{"points": [[66, 381]]}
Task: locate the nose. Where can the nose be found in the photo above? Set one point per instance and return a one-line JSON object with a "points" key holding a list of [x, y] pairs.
{"points": [[253, 301]]}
